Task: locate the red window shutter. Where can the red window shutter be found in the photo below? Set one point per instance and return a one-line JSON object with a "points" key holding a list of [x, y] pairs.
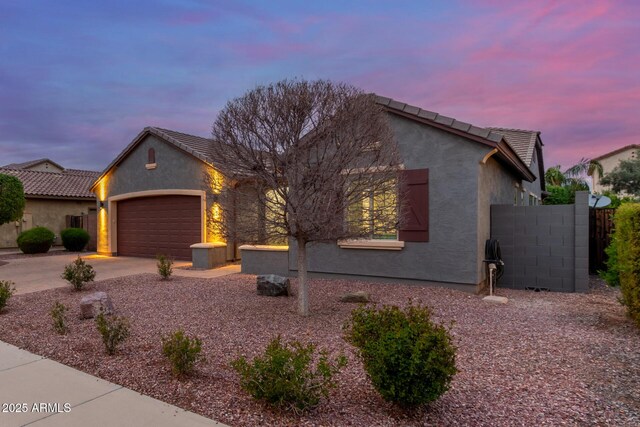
{"points": [[415, 225]]}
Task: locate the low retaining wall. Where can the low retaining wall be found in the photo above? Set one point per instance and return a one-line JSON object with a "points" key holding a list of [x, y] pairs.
{"points": [[261, 259]]}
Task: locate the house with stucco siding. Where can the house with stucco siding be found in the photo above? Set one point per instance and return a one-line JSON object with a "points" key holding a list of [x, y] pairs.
{"points": [[151, 199], [55, 198], [610, 161]]}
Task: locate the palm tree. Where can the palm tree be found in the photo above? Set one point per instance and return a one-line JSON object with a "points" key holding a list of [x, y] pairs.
{"points": [[583, 168], [554, 176]]}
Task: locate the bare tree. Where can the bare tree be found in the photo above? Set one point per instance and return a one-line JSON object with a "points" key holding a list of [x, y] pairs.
{"points": [[305, 162]]}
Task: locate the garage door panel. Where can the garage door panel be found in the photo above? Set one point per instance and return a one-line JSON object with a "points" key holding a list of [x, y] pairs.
{"points": [[159, 225]]}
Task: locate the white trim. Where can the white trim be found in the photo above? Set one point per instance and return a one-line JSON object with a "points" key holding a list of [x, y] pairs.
{"points": [[388, 245], [208, 245], [112, 231], [273, 248]]}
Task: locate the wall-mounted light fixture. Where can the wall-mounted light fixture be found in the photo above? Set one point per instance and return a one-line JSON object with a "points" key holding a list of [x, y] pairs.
{"points": [[101, 204]]}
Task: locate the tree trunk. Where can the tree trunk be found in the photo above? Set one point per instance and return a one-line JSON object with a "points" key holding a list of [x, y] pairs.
{"points": [[303, 291]]}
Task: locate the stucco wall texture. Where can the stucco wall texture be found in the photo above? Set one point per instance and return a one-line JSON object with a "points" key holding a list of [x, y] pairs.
{"points": [[461, 191], [175, 170], [49, 213], [610, 163]]}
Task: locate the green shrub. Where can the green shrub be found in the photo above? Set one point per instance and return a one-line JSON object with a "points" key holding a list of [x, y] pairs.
{"points": [[58, 314], [113, 329], [409, 359], [183, 352], [284, 376], [164, 266], [627, 238], [12, 199], [37, 240], [78, 273], [6, 291], [612, 274], [74, 239]]}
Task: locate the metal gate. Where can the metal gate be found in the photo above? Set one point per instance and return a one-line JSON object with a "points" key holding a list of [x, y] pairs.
{"points": [[600, 229]]}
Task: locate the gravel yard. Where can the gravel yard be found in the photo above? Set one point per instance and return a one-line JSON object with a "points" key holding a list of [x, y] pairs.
{"points": [[542, 359]]}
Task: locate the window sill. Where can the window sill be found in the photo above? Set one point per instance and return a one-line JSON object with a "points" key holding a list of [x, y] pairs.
{"points": [[384, 245], [150, 166]]}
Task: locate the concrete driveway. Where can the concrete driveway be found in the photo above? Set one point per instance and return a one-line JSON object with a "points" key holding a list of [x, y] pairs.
{"points": [[37, 274]]}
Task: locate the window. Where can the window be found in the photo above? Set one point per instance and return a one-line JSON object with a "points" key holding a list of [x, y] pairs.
{"points": [[274, 209], [151, 159], [378, 214]]}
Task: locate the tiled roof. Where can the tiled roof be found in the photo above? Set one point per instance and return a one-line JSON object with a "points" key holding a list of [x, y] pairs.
{"points": [[619, 150], [70, 183], [522, 141], [450, 122], [196, 145], [26, 165], [520, 159]]}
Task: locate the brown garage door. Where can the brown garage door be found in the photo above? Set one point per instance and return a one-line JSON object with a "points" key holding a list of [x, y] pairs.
{"points": [[167, 225]]}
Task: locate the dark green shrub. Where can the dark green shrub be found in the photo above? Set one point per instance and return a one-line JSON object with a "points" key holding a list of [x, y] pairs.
{"points": [[183, 352], [78, 273], [37, 240], [164, 266], [74, 239], [6, 291], [284, 376], [58, 314], [12, 199], [612, 274], [113, 329], [627, 238], [409, 359]]}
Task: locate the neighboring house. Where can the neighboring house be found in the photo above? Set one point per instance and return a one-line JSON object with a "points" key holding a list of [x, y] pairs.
{"points": [[56, 198], [153, 201], [610, 160]]}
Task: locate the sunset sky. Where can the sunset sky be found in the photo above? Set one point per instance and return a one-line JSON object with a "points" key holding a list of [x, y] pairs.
{"points": [[80, 79]]}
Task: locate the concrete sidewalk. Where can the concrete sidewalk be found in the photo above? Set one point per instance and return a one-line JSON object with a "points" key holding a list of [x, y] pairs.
{"points": [[43, 387]]}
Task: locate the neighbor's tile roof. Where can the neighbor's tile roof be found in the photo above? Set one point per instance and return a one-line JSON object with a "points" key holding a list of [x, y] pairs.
{"points": [[72, 183], [522, 141], [619, 150], [26, 165]]}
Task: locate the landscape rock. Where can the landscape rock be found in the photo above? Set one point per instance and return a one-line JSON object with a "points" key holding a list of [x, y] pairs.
{"points": [[357, 297], [273, 285], [91, 305]]}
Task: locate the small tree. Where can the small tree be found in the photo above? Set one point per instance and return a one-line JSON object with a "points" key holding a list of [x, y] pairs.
{"points": [[12, 199], [302, 160], [624, 177]]}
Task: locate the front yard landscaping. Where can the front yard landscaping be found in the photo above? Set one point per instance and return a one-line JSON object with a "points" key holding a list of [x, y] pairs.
{"points": [[542, 359]]}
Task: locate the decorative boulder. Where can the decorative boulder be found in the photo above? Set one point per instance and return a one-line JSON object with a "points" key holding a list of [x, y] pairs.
{"points": [[273, 286], [92, 305], [357, 297]]}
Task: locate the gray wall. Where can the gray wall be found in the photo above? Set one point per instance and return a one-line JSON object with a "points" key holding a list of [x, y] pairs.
{"points": [[544, 246], [496, 186], [265, 262], [175, 170], [533, 187], [451, 255]]}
